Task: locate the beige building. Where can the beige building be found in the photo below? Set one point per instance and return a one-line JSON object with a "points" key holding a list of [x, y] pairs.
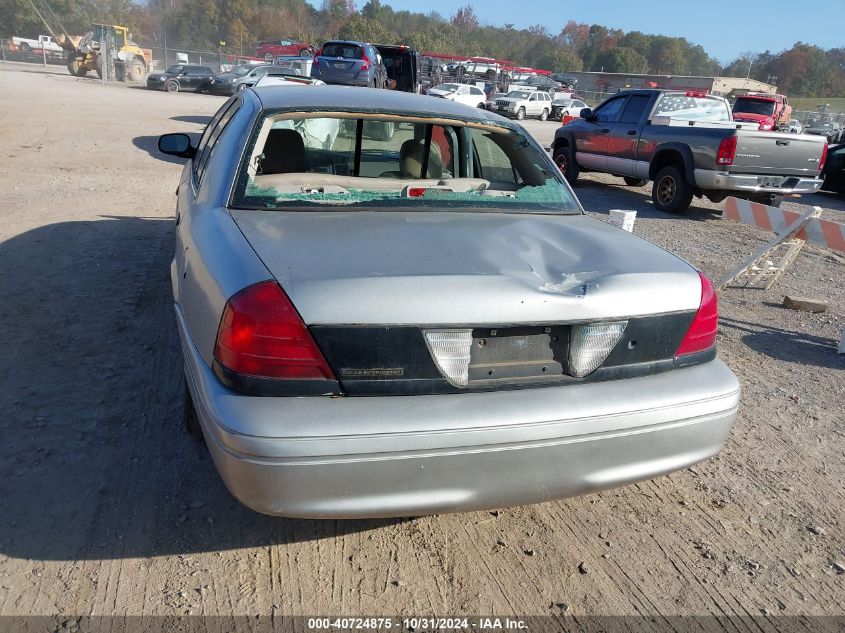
{"points": [[611, 82]]}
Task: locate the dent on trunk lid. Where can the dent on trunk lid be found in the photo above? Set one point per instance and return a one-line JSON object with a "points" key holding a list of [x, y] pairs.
{"points": [[464, 268]]}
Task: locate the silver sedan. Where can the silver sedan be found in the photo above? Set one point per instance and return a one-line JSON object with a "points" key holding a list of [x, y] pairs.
{"points": [[394, 305]]}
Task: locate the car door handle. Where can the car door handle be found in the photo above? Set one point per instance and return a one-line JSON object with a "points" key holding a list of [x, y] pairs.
{"points": [[632, 132], [605, 130]]}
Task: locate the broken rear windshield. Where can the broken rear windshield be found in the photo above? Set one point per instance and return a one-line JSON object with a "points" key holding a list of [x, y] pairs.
{"points": [[322, 160]]}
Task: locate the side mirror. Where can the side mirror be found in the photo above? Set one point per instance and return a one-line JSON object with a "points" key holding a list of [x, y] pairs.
{"points": [[176, 145], [586, 114]]}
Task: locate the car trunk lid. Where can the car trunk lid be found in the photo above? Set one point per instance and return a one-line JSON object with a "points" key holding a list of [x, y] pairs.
{"points": [[453, 268], [374, 286]]}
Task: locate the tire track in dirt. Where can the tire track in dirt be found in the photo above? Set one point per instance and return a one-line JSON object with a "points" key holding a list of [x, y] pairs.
{"points": [[103, 495]]}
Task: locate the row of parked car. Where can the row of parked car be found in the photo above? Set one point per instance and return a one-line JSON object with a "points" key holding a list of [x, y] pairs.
{"points": [[336, 62], [189, 78]]}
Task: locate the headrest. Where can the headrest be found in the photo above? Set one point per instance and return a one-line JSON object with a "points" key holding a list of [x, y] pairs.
{"points": [[411, 160], [284, 152]]}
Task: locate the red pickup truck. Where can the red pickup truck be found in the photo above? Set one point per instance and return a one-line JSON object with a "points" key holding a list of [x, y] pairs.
{"points": [[769, 111]]}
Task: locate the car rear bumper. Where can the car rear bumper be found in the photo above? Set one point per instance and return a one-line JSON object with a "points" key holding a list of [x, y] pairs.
{"points": [[360, 82], [411, 455], [725, 181], [225, 90]]}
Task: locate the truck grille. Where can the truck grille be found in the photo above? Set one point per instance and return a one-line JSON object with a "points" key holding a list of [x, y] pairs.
{"points": [[502, 104]]}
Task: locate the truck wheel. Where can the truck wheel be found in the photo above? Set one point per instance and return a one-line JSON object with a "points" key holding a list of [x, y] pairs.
{"points": [[520, 114], [634, 182], [770, 199], [136, 70], [75, 68], [565, 161], [172, 85], [25, 48], [544, 115], [304, 52], [671, 191]]}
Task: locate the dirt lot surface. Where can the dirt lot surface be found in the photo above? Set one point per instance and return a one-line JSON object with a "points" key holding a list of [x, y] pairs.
{"points": [[108, 506]]}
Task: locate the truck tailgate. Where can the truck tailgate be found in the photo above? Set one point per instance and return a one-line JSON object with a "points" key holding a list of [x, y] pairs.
{"points": [[777, 153]]}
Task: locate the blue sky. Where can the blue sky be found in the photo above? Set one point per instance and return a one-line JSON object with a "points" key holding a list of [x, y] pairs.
{"points": [[725, 29]]}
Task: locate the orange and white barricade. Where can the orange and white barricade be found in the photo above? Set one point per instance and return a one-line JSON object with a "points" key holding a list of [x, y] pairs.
{"points": [[793, 230]]}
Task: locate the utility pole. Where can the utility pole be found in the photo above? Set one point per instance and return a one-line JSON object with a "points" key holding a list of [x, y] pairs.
{"points": [[104, 52]]}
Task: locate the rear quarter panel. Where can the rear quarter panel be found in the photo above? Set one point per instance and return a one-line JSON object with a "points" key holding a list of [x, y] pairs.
{"points": [[216, 259], [703, 143]]}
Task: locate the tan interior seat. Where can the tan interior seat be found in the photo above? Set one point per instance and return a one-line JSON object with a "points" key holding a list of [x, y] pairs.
{"points": [[411, 155]]}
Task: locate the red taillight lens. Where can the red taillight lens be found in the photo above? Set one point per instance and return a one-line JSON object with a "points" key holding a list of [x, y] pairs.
{"points": [[262, 334], [823, 159], [727, 149], [317, 53], [701, 335], [366, 60]]}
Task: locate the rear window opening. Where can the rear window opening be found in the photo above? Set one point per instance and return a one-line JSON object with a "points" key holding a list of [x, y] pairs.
{"points": [[349, 160], [347, 51], [691, 108]]}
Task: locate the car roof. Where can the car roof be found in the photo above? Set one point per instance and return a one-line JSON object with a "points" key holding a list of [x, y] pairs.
{"points": [[357, 43], [663, 91], [363, 99]]}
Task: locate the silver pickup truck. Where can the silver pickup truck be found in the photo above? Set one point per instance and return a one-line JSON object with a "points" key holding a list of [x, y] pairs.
{"points": [[688, 145]]}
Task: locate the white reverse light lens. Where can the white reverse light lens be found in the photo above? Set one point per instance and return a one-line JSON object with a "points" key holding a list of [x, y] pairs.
{"points": [[590, 344], [451, 351]]}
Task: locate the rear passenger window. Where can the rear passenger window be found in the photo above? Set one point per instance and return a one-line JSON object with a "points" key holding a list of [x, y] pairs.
{"points": [[634, 109], [211, 134]]}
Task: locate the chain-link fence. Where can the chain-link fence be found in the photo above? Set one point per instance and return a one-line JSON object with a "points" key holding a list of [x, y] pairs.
{"points": [[805, 116], [164, 57], [18, 50], [27, 52], [592, 97]]}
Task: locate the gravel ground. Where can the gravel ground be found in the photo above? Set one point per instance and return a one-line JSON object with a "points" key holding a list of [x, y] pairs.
{"points": [[107, 506]]}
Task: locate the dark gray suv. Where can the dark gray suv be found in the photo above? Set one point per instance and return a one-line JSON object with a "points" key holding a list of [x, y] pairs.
{"points": [[350, 64]]}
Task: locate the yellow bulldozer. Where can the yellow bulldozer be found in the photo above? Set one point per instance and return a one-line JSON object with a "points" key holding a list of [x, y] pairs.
{"points": [[84, 52]]}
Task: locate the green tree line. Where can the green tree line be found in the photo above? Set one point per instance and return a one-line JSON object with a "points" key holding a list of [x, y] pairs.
{"points": [[803, 70]]}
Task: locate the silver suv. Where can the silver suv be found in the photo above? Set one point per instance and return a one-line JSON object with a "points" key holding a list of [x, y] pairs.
{"points": [[522, 103]]}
